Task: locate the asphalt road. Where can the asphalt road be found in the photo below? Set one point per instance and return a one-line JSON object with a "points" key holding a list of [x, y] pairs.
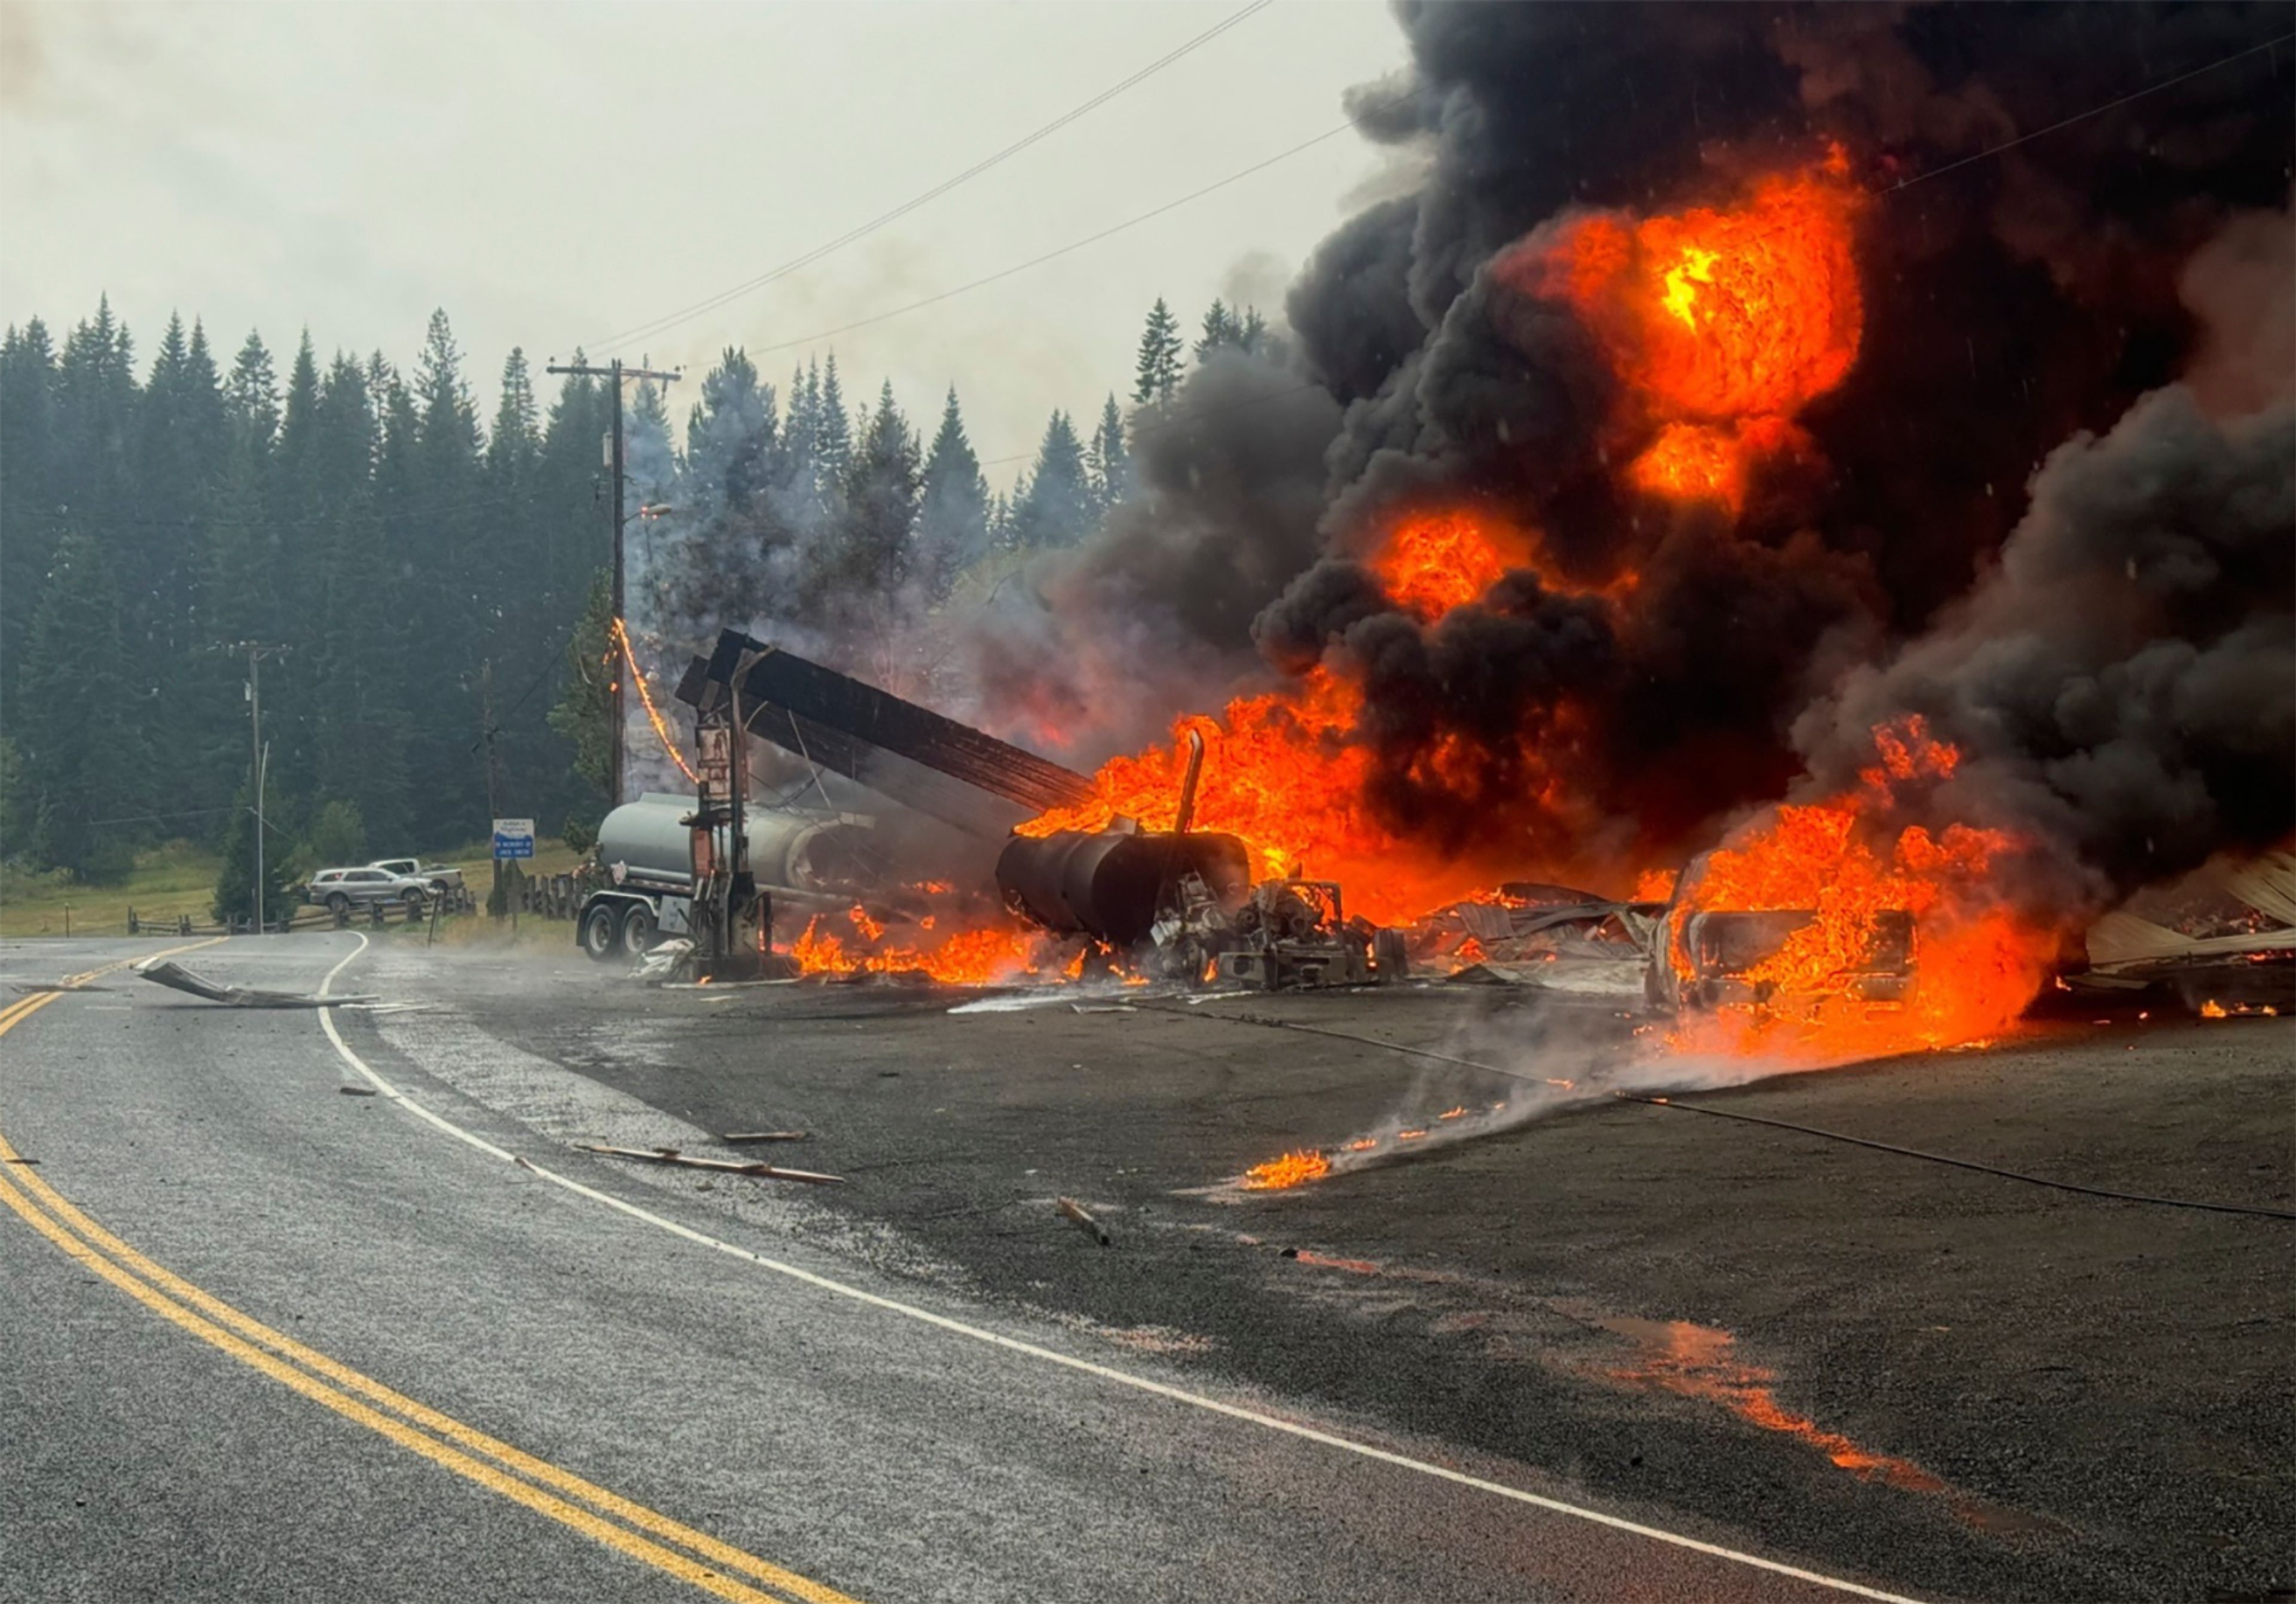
{"points": [[1966, 1385], [267, 1340]]}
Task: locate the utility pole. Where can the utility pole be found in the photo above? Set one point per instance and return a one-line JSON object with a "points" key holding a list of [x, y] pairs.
{"points": [[487, 733], [256, 653], [614, 372]]}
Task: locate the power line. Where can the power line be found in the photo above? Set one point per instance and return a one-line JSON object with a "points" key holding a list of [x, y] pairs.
{"points": [[1090, 239], [710, 303], [2092, 111]]}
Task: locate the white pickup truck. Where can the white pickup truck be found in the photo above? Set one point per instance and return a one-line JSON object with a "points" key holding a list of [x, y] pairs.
{"points": [[438, 876]]}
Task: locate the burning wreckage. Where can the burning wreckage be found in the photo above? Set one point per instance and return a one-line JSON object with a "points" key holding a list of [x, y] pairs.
{"points": [[1178, 905]]}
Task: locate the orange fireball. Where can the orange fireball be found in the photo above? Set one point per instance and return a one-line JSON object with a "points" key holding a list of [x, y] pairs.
{"points": [[1721, 323], [1433, 562]]}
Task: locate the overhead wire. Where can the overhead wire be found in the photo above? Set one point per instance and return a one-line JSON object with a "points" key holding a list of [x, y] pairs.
{"points": [[2237, 55], [653, 326], [1357, 120]]}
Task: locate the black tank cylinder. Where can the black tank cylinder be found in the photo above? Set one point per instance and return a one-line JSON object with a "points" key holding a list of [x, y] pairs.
{"points": [[1110, 885]]}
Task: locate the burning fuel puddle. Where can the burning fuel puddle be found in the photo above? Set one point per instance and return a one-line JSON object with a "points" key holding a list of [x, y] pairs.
{"points": [[1678, 1359], [1700, 1362]]}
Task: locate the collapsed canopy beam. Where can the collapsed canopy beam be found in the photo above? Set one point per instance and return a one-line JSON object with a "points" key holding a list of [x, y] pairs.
{"points": [[895, 747]]}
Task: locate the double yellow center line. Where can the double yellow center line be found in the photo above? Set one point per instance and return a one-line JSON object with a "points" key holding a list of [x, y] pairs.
{"points": [[643, 1534]]}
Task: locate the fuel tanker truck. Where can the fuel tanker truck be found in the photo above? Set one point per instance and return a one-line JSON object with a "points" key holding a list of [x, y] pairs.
{"points": [[813, 858]]}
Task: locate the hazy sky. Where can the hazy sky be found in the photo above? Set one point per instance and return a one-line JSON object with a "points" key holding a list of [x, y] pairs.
{"points": [[554, 175]]}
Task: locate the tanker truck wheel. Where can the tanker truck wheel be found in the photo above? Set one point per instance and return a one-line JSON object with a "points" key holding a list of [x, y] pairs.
{"points": [[1390, 957], [600, 929], [638, 930]]}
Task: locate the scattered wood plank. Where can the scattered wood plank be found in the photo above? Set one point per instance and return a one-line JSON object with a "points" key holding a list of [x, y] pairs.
{"points": [[763, 1136], [671, 1156], [1083, 1220]]}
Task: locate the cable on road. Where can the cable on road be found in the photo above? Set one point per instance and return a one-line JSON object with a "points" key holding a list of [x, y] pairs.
{"points": [[1754, 1119]]}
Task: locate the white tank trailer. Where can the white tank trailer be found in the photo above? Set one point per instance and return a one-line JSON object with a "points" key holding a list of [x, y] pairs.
{"points": [[816, 860]]}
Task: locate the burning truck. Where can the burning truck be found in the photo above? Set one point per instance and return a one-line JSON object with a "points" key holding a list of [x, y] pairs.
{"points": [[1181, 904], [1177, 904]]}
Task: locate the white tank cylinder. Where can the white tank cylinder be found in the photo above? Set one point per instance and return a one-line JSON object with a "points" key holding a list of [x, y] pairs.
{"points": [[806, 851]]}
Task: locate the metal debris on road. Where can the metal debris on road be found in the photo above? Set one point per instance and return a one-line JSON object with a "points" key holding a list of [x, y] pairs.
{"points": [[357, 1092], [671, 1156], [763, 1136], [1082, 1216], [177, 977]]}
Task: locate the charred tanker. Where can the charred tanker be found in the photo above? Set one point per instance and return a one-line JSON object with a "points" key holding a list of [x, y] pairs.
{"points": [[1114, 885]]}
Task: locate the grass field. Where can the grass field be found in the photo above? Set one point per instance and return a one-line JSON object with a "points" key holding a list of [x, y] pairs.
{"points": [[179, 878]]}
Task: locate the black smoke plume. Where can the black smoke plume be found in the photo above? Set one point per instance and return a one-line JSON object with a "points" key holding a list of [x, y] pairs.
{"points": [[2085, 581]]}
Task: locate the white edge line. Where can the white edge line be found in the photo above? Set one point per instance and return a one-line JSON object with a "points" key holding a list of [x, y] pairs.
{"points": [[1068, 1361]]}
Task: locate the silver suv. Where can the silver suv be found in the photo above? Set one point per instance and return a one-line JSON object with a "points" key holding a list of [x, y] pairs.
{"points": [[337, 889]]}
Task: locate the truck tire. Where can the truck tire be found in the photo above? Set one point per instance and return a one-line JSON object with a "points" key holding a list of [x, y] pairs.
{"points": [[338, 904], [638, 930], [413, 905], [602, 930], [1391, 958]]}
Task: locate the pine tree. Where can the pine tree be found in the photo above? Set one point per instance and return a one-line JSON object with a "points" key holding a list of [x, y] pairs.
{"points": [[834, 449], [15, 814], [96, 400], [1056, 507], [234, 891], [953, 520], [516, 441], [1109, 459], [1000, 517], [446, 597], [584, 711], [32, 484], [1159, 372], [729, 437], [84, 749], [251, 393], [357, 659], [1221, 331], [180, 453], [880, 504]]}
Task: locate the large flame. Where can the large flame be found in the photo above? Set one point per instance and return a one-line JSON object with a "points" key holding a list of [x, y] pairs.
{"points": [[1284, 770], [1977, 960], [1721, 323], [980, 956]]}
